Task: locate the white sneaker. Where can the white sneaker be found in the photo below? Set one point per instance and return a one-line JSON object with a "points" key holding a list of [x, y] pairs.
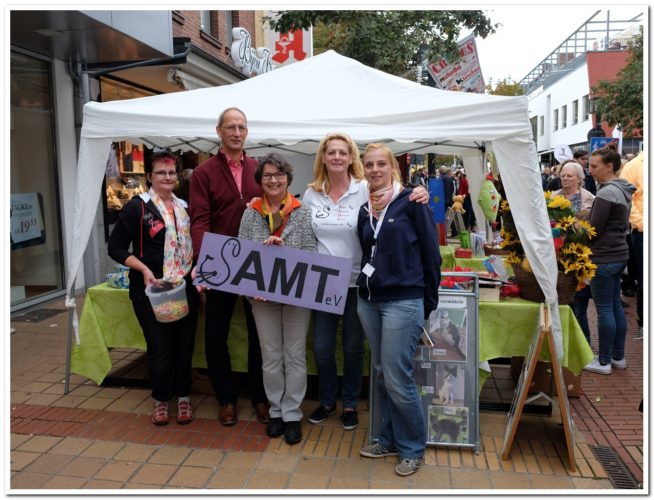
{"points": [[595, 366], [619, 363]]}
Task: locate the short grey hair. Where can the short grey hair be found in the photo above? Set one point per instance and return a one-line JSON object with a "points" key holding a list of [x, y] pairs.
{"points": [[221, 117], [578, 169]]}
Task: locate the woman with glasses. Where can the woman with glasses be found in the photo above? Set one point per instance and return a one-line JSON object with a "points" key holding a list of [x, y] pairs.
{"points": [[157, 227], [278, 218]]}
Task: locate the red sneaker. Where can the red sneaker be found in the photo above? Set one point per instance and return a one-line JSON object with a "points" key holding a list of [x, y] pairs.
{"points": [[160, 414], [184, 412]]}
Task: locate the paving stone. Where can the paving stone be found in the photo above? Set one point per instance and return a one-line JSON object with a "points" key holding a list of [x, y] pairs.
{"points": [[205, 458], [348, 483], [21, 459], [18, 439], [471, 479], [71, 446], [551, 482], [241, 460], [587, 483], [39, 444], [432, 477], [352, 468], [191, 477], [229, 479], [276, 462], [83, 467], [136, 452], [101, 484], [315, 465], [510, 480], [102, 449], [301, 480], [170, 455], [29, 480], [94, 403], [117, 471], [65, 483], [154, 474], [49, 463]]}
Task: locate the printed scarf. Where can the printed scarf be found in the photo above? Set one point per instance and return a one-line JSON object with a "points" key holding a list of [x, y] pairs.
{"points": [[178, 247], [276, 220], [381, 198]]}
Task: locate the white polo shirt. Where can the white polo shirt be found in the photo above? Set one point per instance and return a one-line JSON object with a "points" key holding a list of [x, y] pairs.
{"points": [[335, 224]]}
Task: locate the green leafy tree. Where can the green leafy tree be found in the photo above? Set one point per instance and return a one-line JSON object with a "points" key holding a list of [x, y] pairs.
{"points": [[620, 102], [389, 40], [506, 86]]}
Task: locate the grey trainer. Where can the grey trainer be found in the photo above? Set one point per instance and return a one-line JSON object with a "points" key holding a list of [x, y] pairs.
{"points": [[376, 450], [408, 466]]}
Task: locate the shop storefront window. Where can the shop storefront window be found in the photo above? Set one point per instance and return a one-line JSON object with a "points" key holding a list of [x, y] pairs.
{"points": [[36, 250]]}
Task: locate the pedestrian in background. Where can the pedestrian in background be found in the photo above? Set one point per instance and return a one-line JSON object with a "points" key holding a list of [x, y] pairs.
{"points": [[398, 289], [610, 218], [156, 227], [278, 218]]}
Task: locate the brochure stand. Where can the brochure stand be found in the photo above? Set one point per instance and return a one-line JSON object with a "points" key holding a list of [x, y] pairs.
{"points": [[446, 370]]}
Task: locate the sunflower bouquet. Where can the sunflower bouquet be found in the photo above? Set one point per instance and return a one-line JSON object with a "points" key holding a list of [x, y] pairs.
{"points": [[570, 235]]}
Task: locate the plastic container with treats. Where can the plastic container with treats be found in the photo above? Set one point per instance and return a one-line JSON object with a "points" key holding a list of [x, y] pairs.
{"points": [[168, 301]]}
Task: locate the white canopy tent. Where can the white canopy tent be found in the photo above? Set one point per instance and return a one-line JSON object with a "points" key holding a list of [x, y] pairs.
{"points": [[292, 108]]}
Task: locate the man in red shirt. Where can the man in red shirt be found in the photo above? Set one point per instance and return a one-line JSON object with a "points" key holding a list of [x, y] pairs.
{"points": [[220, 189]]}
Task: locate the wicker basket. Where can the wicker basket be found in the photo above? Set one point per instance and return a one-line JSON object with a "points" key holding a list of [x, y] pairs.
{"points": [[566, 286]]}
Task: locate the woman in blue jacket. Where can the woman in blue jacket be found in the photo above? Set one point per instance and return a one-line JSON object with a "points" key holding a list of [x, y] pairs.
{"points": [[398, 287]]}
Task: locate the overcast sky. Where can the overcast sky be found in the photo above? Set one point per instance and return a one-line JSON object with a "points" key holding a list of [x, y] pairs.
{"points": [[529, 33]]}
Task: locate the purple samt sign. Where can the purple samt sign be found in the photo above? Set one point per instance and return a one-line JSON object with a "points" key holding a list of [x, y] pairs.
{"points": [[276, 273]]}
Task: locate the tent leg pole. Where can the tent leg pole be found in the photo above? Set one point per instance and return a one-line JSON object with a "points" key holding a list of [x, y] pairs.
{"points": [[69, 344]]}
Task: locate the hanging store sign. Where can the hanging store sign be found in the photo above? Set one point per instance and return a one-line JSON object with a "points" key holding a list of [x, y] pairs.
{"points": [[249, 61]]}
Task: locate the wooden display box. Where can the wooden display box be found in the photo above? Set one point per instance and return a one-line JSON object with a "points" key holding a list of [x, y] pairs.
{"points": [[543, 381]]}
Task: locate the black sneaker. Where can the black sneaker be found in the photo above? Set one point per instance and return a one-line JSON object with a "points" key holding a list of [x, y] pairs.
{"points": [[349, 420], [292, 432], [275, 427], [321, 414]]}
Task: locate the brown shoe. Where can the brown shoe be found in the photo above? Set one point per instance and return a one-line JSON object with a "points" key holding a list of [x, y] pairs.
{"points": [[227, 415], [261, 409]]}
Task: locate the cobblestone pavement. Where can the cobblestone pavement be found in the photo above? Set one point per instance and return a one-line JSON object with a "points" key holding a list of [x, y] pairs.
{"points": [[101, 438]]}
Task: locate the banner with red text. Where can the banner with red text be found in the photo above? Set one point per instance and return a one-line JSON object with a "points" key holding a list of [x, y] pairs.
{"points": [[464, 75]]}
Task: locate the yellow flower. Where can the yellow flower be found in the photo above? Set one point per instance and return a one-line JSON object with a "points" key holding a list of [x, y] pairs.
{"points": [[504, 206], [565, 222], [585, 225], [512, 258], [525, 265], [581, 251], [559, 202]]}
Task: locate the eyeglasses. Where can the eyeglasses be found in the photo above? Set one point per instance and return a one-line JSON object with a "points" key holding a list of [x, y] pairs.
{"points": [[233, 128], [278, 176], [164, 173]]}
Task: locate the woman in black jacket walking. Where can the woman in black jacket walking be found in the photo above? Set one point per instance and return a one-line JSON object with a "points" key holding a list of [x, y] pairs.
{"points": [[157, 227]]}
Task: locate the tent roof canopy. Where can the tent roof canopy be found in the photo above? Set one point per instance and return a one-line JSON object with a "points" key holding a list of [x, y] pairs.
{"points": [[294, 107]]}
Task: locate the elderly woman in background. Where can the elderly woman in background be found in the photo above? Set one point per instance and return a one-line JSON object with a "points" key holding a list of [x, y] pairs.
{"points": [[398, 289], [571, 176], [279, 219], [157, 228], [610, 217]]}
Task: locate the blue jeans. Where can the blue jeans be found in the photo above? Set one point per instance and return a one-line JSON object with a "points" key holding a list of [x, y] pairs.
{"points": [[325, 326], [393, 329], [579, 308], [611, 321]]}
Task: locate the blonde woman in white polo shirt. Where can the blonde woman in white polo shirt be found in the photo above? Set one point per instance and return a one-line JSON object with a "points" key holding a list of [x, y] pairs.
{"points": [[335, 196]]}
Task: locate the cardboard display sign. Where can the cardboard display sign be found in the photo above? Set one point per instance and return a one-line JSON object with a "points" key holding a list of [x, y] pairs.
{"points": [[275, 273]]}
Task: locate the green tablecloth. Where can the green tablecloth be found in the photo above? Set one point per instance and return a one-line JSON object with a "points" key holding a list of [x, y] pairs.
{"points": [[108, 320], [447, 256]]}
